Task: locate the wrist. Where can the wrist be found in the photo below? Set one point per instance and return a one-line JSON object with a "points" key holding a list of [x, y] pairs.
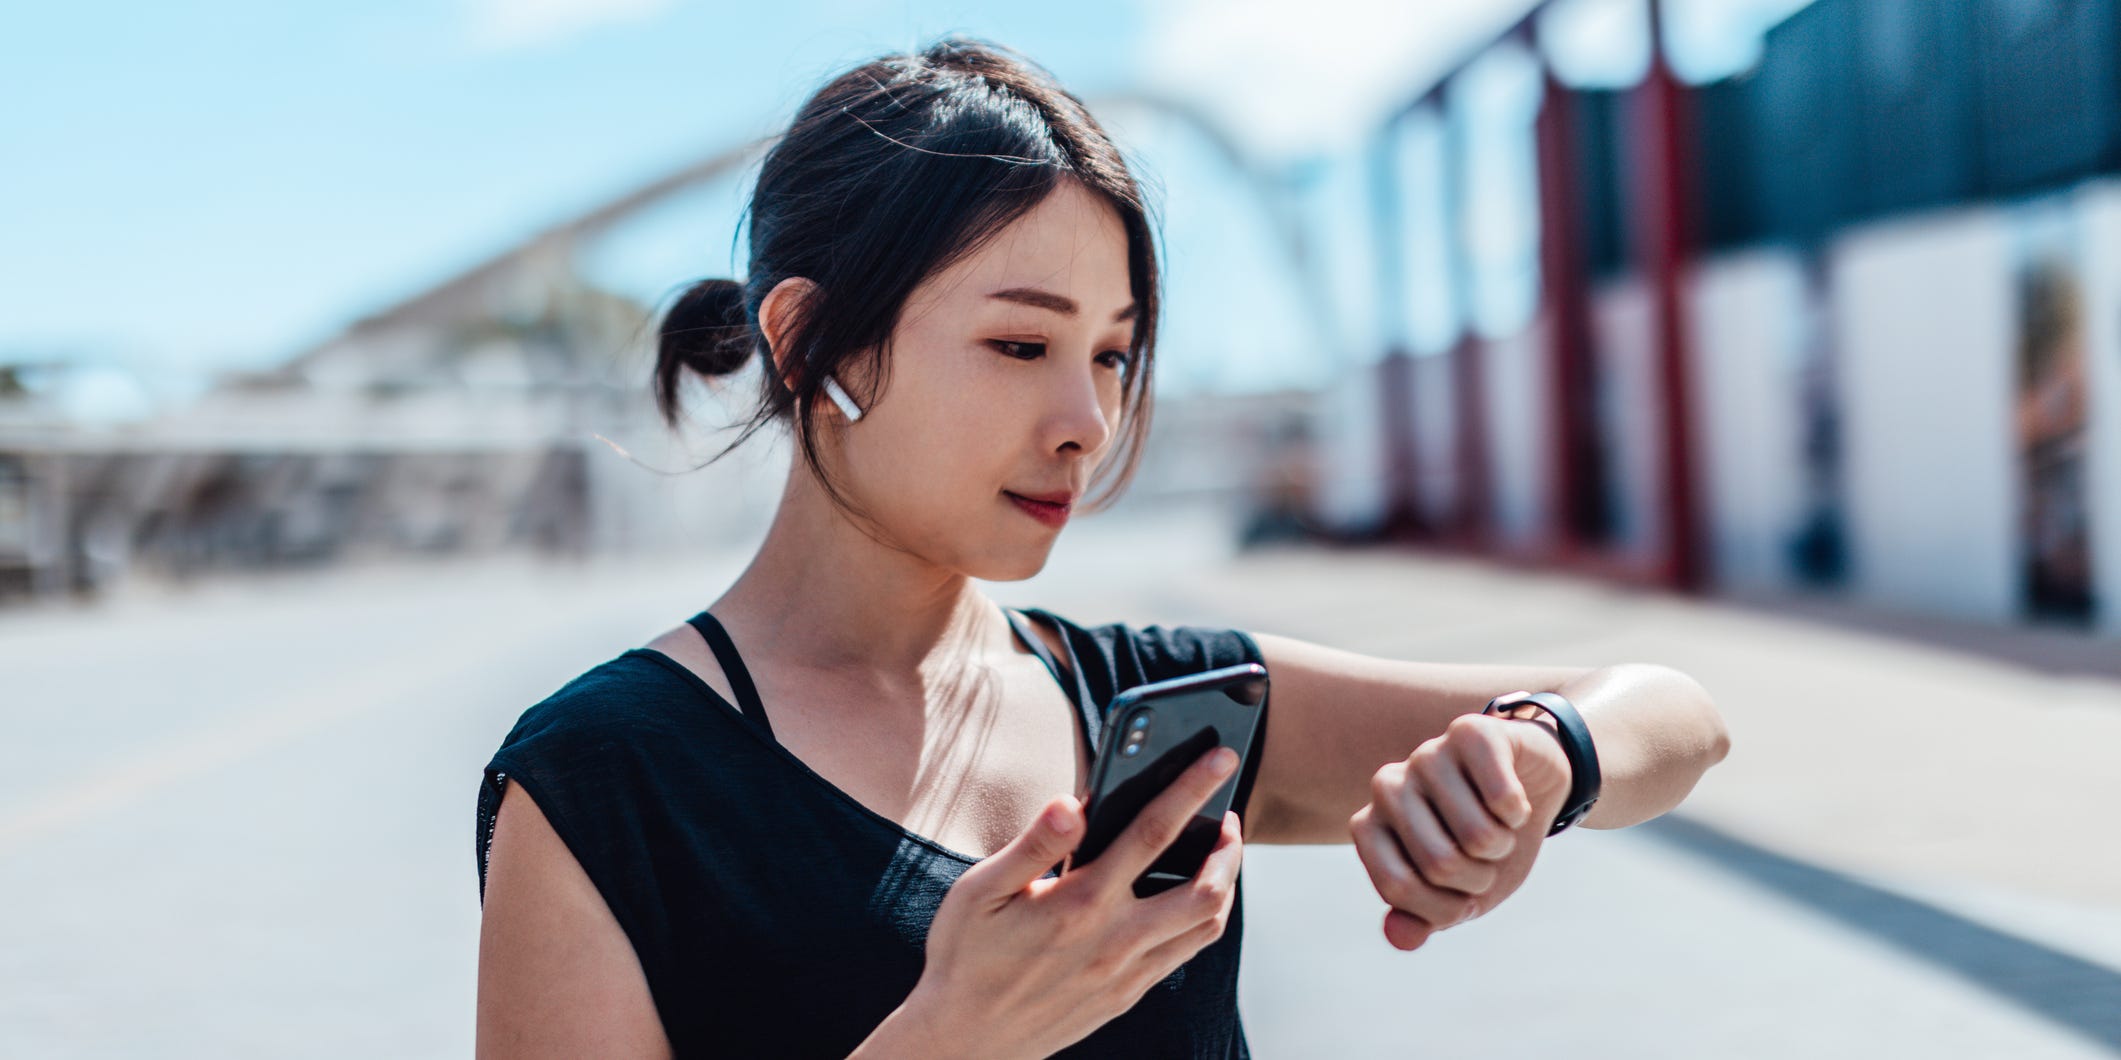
{"points": [[915, 1029], [1573, 737], [1546, 723], [1535, 716]]}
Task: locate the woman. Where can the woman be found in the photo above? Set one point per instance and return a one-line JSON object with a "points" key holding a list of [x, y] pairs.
{"points": [[954, 293]]}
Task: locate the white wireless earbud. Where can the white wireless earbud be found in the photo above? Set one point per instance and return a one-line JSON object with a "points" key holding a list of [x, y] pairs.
{"points": [[839, 397]]}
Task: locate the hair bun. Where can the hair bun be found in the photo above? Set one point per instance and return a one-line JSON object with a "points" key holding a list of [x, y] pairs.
{"points": [[708, 331]]}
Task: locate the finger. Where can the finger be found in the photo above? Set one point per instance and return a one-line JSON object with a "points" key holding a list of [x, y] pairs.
{"points": [[1435, 853], [1165, 957], [1538, 761], [1052, 834], [1405, 930], [1463, 812], [1393, 874], [1202, 907], [1490, 764], [1162, 821], [1219, 872], [1206, 896]]}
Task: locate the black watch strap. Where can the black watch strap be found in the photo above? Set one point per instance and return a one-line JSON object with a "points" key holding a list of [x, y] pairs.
{"points": [[1575, 739]]}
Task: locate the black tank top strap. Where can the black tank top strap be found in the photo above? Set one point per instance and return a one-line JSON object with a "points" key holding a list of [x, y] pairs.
{"points": [[1079, 691], [1036, 643], [747, 694]]}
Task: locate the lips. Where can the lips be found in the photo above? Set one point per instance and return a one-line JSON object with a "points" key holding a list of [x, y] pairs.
{"points": [[1063, 498], [1051, 513]]}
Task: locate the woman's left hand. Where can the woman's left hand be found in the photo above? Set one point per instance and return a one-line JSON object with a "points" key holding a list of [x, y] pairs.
{"points": [[1452, 831]]}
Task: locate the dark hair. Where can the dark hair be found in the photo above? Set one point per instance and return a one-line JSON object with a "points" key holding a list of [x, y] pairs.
{"points": [[889, 173]]}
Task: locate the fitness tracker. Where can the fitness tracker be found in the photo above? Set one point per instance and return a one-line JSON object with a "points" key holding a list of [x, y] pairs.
{"points": [[1575, 739]]}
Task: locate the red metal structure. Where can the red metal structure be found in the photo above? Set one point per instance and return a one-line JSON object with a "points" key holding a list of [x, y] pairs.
{"points": [[1662, 220], [1665, 166]]}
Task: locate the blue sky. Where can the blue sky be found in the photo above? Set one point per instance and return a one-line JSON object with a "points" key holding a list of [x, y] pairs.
{"points": [[212, 183], [222, 180]]}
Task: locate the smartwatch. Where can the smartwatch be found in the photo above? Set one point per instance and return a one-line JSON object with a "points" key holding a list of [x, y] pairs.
{"points": [[1575, 739]]}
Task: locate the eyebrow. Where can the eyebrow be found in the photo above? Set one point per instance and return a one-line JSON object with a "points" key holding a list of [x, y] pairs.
{"points": [[1040, 298]]}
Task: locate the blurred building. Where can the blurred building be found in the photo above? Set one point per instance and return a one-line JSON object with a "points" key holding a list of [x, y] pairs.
{"points": [[506, 409], [1850, 319], [405, 434]]}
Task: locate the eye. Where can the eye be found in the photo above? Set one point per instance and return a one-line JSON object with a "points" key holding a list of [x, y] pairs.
{"points": [[1120, 359], [1005, 346]]}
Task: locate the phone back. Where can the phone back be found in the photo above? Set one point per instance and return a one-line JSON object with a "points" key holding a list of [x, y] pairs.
{"points": [[1152, 733]]}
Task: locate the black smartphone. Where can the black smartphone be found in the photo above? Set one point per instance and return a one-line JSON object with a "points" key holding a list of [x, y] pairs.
{"points": [[1152, 733]]}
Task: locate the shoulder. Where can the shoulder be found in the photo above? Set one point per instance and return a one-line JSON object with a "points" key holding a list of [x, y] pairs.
{"points": [[626, 705], [1116, 656], [596, 755], [1126, 654]]}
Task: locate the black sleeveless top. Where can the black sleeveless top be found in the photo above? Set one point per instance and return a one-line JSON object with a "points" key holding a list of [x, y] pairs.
{"points": [[775, 915]]}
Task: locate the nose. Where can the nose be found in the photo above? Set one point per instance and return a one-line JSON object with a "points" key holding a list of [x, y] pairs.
{"points": [[1080, 418]]}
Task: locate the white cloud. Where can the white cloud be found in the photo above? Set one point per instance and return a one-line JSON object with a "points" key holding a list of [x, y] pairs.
{"points": [[1291, 79], [501, 25]]}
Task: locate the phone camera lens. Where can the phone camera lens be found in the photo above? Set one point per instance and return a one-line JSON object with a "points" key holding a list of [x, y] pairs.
{"points": [[1141, 721], [1131, 750]]}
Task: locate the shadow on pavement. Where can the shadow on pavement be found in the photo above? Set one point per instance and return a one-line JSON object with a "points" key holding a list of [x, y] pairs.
{"points": [[2069, 991]]}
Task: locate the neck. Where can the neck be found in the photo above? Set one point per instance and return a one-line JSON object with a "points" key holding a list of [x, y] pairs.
{"points": [[824, 595]]}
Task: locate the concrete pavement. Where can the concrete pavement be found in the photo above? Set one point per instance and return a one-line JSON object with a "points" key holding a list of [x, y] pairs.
{"points": [[236, 820]]}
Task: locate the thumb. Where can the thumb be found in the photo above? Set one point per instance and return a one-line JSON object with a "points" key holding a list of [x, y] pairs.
{"points": [[1052, 834], [1540, 763]]}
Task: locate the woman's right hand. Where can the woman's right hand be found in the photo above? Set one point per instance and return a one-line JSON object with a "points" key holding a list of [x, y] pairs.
{"points": [[1019, 965]]}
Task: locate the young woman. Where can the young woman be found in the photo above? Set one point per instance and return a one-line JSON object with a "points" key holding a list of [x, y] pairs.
{"points": [[843, 839]]}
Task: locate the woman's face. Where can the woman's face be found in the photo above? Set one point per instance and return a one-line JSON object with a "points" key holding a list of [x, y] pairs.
{"points": [[1005, 375]]}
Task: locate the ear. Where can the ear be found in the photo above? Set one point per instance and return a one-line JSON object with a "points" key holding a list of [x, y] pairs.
{"points": [[780, 318]]}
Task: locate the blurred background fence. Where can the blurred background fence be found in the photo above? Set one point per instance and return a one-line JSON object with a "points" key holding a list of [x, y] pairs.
{"points": [[1847, 318]]}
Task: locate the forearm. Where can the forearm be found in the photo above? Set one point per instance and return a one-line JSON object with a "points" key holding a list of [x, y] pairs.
{"points": [[923, 1029], [1338, 716], [1656, 730], [912, 1030]]}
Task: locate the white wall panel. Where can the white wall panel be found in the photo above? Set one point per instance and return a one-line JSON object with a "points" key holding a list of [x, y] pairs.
{"points": [[1519, 434], [1352, 491], [1746, 312], [2099, 211], [1436, 438], [1624, 335], [1924, 322]]}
